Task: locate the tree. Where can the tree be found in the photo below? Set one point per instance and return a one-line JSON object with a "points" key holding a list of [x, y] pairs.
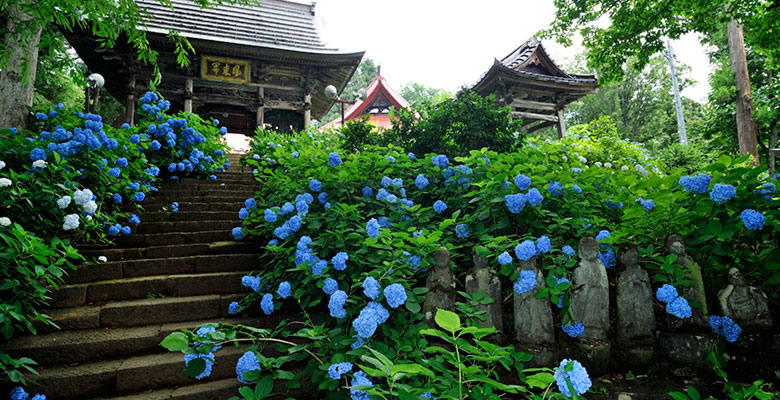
{"points": [[638, 29], [28, 26], [362, 77], [416, 93]]}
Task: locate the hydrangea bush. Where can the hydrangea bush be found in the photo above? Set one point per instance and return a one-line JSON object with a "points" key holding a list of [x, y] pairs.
{"points": [[354, 235], [75, 179]]}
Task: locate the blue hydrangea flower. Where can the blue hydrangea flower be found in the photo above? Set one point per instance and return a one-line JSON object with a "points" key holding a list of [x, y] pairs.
{"points": [[371, 288], [578, 376], [573, 330], [336, 304], [411, 155], [155, 145], [752, 219], [555, 188], [360, 379], [534, 197], [370, 317], [666, 293], [698, 184], [243, 213], [295, 223], [615, 206], [295, 154], [576, 188], [125, 230], [115, 172], [117, 198], [440, 161], [114, 230], [679, 308], [395, 295], [121, 162], [525, 250], [543, 245], [330, 286], [439, 206], [315, 185], [515, 202], [302, 208], [250, 204], [208, 358], [462, 230], [286, 209], [504, 258], [318, 267], [725, 326], [421, 181], [18, 393], [721, 193], [391, 159], [647, 204], [134, 219], [608, 258], [284, 290], [267, 303], [233, 308], [576, 170], [237, 233], [522, 182], [340, 261], [336, 370], [568, 250], [372, 228], [367, 191], [525, 282], [322, 198], [247, 362], [334, 159], [603, 234]]}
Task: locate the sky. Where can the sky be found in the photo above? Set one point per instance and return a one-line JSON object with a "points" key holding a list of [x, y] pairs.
{"points": [[448, 44]]}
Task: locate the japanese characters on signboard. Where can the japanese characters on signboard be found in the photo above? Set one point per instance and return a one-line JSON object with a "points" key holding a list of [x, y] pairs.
{"points": [[224, 69]]}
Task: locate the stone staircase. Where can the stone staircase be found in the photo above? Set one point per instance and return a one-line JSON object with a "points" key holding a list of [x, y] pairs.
{"points": [[177, 270]]}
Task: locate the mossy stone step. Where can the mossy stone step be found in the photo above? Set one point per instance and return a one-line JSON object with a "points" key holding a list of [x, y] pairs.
{"points": [[138, 240], [237, 199], [193, 206], [187, 215], [215, 390], [179, 250], [184, 226]]}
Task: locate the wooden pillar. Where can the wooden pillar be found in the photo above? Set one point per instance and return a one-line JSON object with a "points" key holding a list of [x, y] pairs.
{"points": [[188, 96], [130, 105], [306, 110], [260, 108], [561, 124]]}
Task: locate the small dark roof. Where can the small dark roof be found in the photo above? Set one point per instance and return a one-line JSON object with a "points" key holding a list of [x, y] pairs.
{"points": [[277, 24]]}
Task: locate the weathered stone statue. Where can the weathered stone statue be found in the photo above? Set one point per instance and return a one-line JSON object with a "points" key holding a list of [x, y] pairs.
{"points": [[533, 317], [483, 279], [441, 287], [590, 297], [675, 244], [635, 316], [745, 304]]}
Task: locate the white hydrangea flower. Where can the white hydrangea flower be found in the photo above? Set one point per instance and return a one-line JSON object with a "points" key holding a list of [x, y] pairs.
{"points": [[583, 160], [64, 202], [81, 197], [39, 164], [2, 164], [90, 207], [5, 221], [641, 169], [89, 218], [102, 259], [597, 163], [71, 222], [565, 158], [608, 165], [4, 182], [624, 168]]}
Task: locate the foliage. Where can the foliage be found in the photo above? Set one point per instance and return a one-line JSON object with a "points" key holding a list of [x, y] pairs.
{"points": [[467, 122], [358, 134], [76, 179], [417, 94], [363, 76], [345, 226]]}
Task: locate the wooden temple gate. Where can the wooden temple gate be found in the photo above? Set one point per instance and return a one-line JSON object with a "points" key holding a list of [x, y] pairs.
{"points": [[252, 67]]}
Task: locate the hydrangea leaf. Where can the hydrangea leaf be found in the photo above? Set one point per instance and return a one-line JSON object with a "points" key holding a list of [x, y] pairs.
{"points": [[177, 341], [195, 367], [447, 320]]}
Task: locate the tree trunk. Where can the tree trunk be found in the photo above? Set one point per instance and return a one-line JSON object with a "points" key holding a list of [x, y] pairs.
{"points": [[17, 77], [746, 126]]}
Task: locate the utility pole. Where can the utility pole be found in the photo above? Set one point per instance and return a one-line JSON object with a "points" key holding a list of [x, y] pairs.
{"points": [[677, 101]]}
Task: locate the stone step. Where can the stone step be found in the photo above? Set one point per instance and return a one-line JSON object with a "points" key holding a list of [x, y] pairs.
{"points": [[138, 240], [186, 205], [68, 347], [130, 375], [185, 214], [139, 312], [214, 390], [211, 185], [179, 250], [148, 286], [175, 265], [185, 226], [215, 195]]}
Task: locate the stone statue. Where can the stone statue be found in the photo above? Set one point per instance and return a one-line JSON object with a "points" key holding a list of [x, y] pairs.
{"points": [[675, 244], [590, 297], [533, 317], [635, 316], [483, 279], [745, 304], [441, 287]]}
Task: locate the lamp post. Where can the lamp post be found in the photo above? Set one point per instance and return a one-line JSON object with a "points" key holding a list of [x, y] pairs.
{"points": [[94, 82], [331, 93]]}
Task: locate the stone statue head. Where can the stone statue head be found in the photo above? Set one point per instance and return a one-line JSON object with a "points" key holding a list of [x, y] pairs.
{"points": [[628, 255], [441, 258], [588, 249], [736, 278], [675, 244], [480, 262]]}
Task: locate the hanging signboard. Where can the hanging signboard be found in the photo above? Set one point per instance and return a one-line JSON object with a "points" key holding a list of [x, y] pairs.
{"points": [[224, 69]]}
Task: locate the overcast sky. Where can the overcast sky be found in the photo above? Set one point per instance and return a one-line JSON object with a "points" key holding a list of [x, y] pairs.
{"points": [[448, 44]]}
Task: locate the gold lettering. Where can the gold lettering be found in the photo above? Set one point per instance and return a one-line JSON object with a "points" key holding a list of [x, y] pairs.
{"points": [[215, 67], [237, 71], [226, 70]]}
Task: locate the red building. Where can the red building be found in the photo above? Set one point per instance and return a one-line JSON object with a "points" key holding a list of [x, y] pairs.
{"points": [[379, 98]]}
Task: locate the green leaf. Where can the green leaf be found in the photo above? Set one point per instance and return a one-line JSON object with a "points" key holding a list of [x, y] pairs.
{"points": [[195, 367], [447, 320], [693, 393], [176, 341], [264, 387], [411, 369], [540, 380], [678, 396]]}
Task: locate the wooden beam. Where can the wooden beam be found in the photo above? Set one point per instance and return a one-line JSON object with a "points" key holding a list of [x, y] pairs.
{"points": [[260, 117], [306, 110], [130, 105], [561, 125], [188, 96], [540, 126], [527, 115], [534, 105]]}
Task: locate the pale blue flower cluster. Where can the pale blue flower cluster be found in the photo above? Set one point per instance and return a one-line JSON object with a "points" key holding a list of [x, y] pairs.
{"points": [[522, 182], [439, 206], [534, 197], [555, 188], [698, 184], [252, 282], [330, 286], [440, 161], [721, 193], [284, 290], [577, 376], [679, 307], [18, 392], [247, 362], [752, 219], [336, 304], [370, 317], [360, 379], [504, 258], [395, 295], [315, 185], [666, 293], [340, 261], [267, 304], [367, 191], [525, 250], [525, 282], [372, 228], [573, 330], [515, 202], [421, 182], [462, 230], [543, 245], [568, 250], [371, 287], [334, 159], [336, 370]]}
